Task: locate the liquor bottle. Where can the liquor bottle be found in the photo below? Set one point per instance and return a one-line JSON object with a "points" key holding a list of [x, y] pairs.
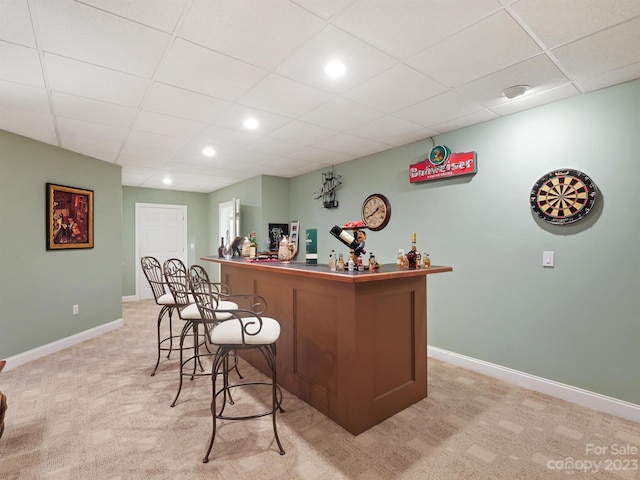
{"points": [[360, 265], [246, 247], [426, 260], [348, 239], [253, 249], [332, 260], [340, 263], [352, 265], [221, 248], [412, 254]]}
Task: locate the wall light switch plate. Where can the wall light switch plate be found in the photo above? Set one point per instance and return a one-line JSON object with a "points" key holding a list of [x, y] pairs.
{"points": [[547, 259]]}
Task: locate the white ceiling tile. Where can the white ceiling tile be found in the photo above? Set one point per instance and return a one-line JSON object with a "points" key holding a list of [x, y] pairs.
{"points": [[95, 132], [20, 65], [273, 146], [196, 68], [411, 137], [132, 179], [146, 12], [177, 102], [531, 101], [169, 126], [227, 137], [325, 8], [16, 95], [556, 23], [139, 157], [321, 157], [238, 28], [444, 107], [182, 167], [341, 114], [78, 31], [352, 145], [464, 121], [38, 126], [362, 61], [404, 28], [602, 51], [90, 146], [87, 109], [612, 77], [539, 72], [90, 81], [477, 50], [15, 23], [396, 88], [237, 114], [170, 144], [283, 96], [385, 128], [302, 133]]}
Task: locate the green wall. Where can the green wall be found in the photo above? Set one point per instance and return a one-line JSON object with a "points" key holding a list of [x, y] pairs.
{"points": [[38, 287]]}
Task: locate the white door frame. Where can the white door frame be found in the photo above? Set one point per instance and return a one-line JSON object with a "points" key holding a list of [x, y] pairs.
{"points": [[138, 207]]}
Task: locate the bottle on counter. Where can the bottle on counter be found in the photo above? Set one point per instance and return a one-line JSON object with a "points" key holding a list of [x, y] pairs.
{"points": [[426, 261], [351, 265], [253, 248], [340, 263], [412, 254], [221, 248], [372, 262], [348, 239], [332, 260], [360, 265], [418, 259]]}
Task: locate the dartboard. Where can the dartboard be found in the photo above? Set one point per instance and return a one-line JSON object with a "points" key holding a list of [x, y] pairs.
{"points": [[563, 196]]}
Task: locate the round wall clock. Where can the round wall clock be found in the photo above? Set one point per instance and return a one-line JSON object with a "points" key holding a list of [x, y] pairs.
{"points": [[376, 211], [563, 196]]}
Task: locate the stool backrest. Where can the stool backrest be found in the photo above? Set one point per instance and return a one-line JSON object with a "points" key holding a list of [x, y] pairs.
{"points": [[177, 279], [205, 294], [153, 271]]}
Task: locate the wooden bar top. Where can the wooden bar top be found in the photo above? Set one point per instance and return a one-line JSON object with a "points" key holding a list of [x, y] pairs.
{"points": [[386, 272]]}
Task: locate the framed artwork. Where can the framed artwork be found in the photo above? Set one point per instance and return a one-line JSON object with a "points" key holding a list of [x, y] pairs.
{"points": [[294, 232], [69, 217], [276, 231]]}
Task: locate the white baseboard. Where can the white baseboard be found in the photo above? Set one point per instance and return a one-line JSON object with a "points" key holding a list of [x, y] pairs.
{"points": [[53, 347], [130, 298], [588, 399]]}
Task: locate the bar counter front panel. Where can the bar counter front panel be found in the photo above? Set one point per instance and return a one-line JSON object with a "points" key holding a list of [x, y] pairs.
{"points": [[353, 344]]}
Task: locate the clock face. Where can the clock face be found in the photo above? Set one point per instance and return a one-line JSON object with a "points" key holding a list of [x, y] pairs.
{"points": [[563, 196], [376, 211]]}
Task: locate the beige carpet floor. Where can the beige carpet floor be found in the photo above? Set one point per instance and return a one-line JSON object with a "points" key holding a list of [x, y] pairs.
{"points": [[94, 412]]}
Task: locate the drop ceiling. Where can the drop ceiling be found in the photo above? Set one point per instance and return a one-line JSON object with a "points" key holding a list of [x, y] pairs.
{"points": [[147, 84]]}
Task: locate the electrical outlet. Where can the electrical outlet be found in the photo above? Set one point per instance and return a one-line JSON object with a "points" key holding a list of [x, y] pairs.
{"points": [[75, 309]]}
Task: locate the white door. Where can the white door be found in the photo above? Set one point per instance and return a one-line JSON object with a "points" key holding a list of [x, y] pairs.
{"points": [[161, 232]]}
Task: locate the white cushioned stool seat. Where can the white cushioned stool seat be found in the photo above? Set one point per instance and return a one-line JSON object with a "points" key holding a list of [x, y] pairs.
{"points": [[230, 332], [191, 312]]}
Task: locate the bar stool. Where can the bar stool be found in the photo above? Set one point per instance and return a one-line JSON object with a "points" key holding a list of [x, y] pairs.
{"points": [[177, 278], [163, 298], [246, 329]]}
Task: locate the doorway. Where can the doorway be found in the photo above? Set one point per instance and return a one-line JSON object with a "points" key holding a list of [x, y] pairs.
{"points": [[161, 232]]}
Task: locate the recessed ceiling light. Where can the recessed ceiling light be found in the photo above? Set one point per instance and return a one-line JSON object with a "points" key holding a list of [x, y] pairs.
{"points": [[335, 69], [166, 181], [515, 91], [208, 151], [251, 123]]}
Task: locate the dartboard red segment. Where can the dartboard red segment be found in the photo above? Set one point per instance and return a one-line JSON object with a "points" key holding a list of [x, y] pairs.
{"points": [[563, 196]]}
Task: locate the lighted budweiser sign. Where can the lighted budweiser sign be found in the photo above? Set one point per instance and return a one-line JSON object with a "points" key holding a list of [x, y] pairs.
{"points": [[441, 163]]}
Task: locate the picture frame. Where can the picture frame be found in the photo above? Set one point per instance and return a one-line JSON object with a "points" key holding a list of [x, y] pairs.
{"points": [[69, 217], [276, 232], [294, 232]]}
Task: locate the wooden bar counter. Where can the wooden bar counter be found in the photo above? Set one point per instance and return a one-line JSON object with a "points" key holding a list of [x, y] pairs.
{"points": [[353, 344]]}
